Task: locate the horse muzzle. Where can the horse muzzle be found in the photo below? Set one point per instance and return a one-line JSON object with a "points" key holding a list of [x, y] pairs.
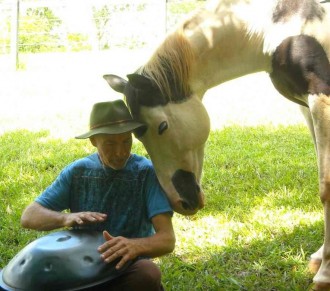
{"points": [[191, 198]]}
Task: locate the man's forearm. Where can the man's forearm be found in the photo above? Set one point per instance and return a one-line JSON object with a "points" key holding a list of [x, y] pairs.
{"points": [[38, 217], [156, 245], [162, 242]]}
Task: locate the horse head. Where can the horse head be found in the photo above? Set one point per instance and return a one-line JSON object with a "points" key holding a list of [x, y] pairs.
{"points": [[174, 138]]}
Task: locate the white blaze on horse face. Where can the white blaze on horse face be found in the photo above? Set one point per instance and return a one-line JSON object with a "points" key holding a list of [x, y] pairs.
{"points": [[180, 147]]}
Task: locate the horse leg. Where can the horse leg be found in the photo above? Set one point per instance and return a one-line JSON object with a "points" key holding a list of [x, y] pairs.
{"points": [[316, 258], [301, 68], [309, 121], [319, 105]]}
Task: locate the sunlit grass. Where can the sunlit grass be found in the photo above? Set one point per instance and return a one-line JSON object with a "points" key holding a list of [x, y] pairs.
{"points": [[263, 217], [261, 222]]}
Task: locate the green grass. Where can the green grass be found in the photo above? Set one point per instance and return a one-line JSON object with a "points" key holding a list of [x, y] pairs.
{"points": [[261, 222]]}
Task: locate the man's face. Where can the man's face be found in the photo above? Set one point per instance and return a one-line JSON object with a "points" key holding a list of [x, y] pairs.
{"points": [[114, 149]]}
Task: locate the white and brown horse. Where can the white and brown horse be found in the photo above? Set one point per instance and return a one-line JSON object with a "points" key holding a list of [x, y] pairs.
{"points": [[289, 39]]}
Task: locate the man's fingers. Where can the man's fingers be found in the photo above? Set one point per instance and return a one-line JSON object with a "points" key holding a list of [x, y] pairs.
{"points": [[107, 235], [92, 217], [107, 249], [115, 256], [79, 221], [121, 263], [81, 218], [100, 216], [97, 216]]}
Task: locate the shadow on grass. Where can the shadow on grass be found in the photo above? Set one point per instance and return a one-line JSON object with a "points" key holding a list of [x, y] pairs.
{"points": [[246, 166], [276, 264], [250, 172], [30, 161], [245, 169]]}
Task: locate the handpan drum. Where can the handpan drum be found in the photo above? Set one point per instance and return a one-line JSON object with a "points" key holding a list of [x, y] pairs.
{"points": [[64, 260]]}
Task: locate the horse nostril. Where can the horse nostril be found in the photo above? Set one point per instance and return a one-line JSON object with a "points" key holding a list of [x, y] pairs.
{"points": [[186, 185], [185, 205]]}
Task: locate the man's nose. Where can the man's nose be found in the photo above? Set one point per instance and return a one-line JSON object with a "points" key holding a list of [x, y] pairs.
{"points": [[120, 151]]}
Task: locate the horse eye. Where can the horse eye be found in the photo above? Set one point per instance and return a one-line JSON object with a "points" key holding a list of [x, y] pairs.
{"points": [[139, 132], [162, 127]]}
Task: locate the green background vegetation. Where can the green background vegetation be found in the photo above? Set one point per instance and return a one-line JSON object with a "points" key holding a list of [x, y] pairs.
{"points": [[41, 30]]}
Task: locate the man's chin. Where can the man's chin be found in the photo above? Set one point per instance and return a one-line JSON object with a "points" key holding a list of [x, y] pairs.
{"points": [[117, 166]]}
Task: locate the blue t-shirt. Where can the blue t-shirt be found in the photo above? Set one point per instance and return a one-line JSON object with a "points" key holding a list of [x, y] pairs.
{"points": [[130, 196]]}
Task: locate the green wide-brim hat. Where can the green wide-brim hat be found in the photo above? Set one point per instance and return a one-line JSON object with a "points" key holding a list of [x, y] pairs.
{"points": [[111, 117]]}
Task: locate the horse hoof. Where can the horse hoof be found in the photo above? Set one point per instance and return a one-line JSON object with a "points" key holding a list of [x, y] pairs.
{"points": [[314, 265], [320, 287]]}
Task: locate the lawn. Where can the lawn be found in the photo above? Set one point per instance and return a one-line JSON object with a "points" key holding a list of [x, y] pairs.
{"points": [[261, 222], [263, 217]]}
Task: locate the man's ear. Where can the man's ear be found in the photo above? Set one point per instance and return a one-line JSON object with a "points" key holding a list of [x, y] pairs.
{"points": [[92, 140]]}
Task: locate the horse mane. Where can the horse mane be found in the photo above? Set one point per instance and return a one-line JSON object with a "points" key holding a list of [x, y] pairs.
{"points": [[170, 67]]}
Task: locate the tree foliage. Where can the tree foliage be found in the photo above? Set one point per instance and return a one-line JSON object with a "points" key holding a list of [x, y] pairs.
{"points": [[42, 29], [38, 31]]}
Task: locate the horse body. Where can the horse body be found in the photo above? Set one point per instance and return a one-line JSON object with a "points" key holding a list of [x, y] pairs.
{"points": [[224, 48], [289, 39], [237, 38]]}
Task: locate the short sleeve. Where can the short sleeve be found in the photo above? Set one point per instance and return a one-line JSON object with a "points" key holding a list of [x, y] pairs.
{"points": [[157, 201], [57, 195]]}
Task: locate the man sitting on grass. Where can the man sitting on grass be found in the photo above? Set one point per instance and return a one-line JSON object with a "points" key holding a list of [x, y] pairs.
{"points": [[116, 192]]}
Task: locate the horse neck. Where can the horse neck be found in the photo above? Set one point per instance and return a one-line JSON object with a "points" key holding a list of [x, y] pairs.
{"points": [[224, 49], [236, 38]]}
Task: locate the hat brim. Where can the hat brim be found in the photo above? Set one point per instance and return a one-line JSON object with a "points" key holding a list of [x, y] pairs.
{"points": [[117, 128]]}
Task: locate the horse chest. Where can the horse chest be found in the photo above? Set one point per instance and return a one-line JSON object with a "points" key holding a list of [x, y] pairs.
{"points": [[300, 67]]}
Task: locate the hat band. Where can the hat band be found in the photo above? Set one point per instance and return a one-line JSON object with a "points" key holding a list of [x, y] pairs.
{"points": [[108, 123]]}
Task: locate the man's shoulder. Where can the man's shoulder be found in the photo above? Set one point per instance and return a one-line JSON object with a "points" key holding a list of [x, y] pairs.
{"points": [[91, 161], [140, 164], [141, 161]]}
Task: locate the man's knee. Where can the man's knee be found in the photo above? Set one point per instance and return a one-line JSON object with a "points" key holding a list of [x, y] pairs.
{"points": [[141, 276], [149, 273]]}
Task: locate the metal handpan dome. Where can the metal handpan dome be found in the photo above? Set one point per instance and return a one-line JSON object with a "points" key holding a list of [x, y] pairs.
{"points": [[64, 260]]}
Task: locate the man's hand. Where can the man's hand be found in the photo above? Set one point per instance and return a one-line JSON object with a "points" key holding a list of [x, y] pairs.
{"points": [[116, 247], [82, 218], [159, 244], [38, 217]]}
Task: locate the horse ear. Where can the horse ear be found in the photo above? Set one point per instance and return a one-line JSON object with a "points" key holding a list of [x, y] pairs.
{"points": [[146, 90], [140, 82], [116, 83]]}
